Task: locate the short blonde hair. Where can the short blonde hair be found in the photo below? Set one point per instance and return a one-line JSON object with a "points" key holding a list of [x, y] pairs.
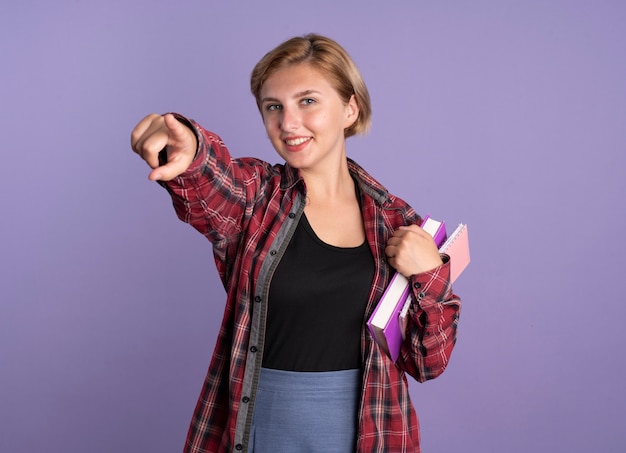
{"points": [[328, 57]]}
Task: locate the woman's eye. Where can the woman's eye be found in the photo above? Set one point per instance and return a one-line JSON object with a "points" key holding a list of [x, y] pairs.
{"points": [[308, 101], [272, 107]]}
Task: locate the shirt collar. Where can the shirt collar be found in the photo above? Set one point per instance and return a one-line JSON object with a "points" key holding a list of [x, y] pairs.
{"points": [[368, 184]]}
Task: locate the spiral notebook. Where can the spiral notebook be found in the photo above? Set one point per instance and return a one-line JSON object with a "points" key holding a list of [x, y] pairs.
{"points": [[457, 248]]}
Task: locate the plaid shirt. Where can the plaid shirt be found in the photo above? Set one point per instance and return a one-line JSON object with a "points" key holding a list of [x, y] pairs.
{"points": [[248, 210]]}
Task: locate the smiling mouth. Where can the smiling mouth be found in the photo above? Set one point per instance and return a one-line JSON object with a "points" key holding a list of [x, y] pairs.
{"points": [[297, 141]]}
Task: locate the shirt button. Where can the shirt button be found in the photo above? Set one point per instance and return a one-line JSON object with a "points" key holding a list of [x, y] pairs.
{"points": [[417, 285], [292, 215], [245, 399], [273, 252], [257, 299], [238, 447], [253, 349]]}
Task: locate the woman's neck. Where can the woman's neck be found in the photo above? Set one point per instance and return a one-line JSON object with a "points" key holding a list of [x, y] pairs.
{"points": [[335, 186]]}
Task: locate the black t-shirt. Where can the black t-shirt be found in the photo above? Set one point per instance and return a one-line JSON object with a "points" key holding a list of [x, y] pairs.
{"points": [[316, 306]]}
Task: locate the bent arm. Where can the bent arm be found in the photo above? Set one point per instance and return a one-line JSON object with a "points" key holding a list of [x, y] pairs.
{"points": [[432, 325]]}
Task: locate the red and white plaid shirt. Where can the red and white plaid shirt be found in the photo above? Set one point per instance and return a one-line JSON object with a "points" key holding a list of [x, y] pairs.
{"points": [[248, 209]]}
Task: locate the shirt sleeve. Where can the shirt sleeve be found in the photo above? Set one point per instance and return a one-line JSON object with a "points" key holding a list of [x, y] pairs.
{"points": [[432, 325], [218, 196], [216, 191]]}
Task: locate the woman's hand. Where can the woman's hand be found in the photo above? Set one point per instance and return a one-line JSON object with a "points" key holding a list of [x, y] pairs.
{"points": [[155, 133], [411, 250]]}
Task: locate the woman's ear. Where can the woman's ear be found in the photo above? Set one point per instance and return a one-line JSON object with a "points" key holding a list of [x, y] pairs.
{"points": [[352, 112]]}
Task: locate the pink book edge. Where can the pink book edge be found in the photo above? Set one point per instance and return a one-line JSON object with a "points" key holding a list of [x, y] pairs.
{"points": [[457, 248]]}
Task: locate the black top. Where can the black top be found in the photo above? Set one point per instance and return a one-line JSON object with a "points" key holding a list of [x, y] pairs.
{"points": [[316, 306]]}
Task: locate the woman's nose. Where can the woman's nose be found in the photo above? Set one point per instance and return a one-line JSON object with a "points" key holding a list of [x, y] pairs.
{"points": [[290, 119]]}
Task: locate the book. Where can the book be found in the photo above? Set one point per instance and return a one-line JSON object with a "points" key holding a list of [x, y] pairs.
{"points": [[436, 228], [387, 324], [384, 324]]}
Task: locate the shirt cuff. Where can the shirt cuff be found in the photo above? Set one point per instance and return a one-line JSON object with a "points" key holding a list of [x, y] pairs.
{"points": [[431, 287]]}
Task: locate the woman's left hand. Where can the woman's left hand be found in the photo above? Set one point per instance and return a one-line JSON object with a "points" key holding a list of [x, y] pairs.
{"points": [[411, 250]]}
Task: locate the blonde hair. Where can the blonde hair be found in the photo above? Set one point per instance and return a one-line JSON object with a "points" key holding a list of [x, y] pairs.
{"points": [[328, 57]]}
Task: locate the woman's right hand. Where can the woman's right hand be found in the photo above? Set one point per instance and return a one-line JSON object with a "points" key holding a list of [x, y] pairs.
{"points": [[156, 133]]}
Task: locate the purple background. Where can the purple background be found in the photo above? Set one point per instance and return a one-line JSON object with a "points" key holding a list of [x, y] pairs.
{"points": [[509, 116]]}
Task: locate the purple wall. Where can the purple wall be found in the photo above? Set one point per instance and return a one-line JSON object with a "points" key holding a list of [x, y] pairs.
{"points": [[507, 115]]}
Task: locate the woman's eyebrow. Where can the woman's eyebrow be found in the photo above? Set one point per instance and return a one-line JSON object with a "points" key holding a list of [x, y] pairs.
{"points": [[305, 93], [295, 95]]}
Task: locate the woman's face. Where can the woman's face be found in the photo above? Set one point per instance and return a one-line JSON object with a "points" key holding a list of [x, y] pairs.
{"points": [[305, 118]]}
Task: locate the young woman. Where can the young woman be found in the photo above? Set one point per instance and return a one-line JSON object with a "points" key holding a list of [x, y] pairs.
{"points": [[305, 250]]}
